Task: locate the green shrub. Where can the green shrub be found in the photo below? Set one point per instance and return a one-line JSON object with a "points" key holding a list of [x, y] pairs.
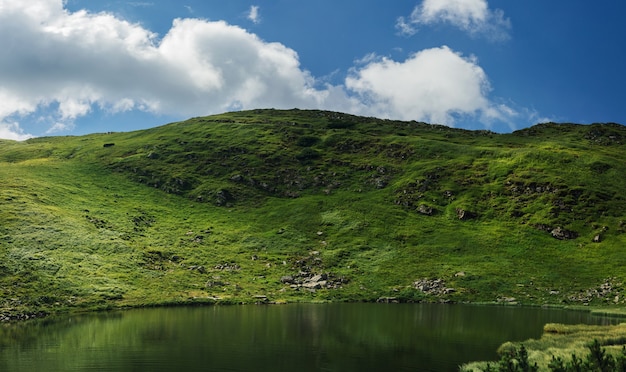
{"points": [[307, 141]]}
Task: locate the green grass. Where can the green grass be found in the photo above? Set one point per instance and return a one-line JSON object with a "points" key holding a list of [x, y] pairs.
{"points": [[219, 209], [562, 341]]}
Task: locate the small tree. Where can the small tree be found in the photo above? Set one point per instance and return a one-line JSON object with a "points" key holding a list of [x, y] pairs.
{"points": [[598, 359]]}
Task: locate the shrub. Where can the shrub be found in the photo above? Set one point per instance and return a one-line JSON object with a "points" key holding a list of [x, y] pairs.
{"points": [[307, 154], [307, 141]]}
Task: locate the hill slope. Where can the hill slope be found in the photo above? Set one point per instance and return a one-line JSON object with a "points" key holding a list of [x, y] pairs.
{"points": [[271, 205]]}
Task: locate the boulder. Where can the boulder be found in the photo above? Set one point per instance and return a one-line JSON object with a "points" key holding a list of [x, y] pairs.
{"points": [[214, 283], [563, 234], [463, 214], [312, 285], [388, 300], [434, 287], [317, 278], [200, 269], [223, 197], [424, 209]]}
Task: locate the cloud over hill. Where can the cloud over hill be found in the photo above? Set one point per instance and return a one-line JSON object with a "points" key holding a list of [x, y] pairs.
{"points": [[59, 65]]}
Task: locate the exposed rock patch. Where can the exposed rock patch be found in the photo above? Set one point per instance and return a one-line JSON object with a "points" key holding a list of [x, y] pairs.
{"points": [[6, 317], [433, 287], [312, 282], [609, 291]]}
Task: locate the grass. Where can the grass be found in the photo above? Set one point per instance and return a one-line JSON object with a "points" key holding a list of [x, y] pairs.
{"points": [[219, 209], [563, 342]]}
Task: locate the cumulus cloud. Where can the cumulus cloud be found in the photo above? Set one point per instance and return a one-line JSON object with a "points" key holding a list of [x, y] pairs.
{"points": [[70, 62], [472, 16], [13, 131], [435, 85], [58, 66]]}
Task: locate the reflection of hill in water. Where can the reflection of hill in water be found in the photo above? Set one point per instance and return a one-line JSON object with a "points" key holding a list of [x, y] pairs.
{"points": [[306, 337]]}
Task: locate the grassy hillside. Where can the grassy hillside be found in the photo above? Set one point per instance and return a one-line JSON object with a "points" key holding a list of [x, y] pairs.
{"points": [[273, 206]]}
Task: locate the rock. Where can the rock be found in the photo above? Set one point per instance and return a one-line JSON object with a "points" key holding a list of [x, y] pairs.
{"points": [[214, 283], [597, 239], [287, 279], [424, 209], [388, 300], [380, 183], [199, 269], [460, 274], [176, 258], [462, 214], [434, 287], [507, 299], [223, 197], [563, 234], [312, 285], [227, 267]]}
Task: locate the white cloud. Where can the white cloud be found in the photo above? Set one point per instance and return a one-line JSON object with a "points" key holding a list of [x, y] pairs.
{"points": [[253, 14], [435, 85], [472, 16], [58, 66], [68, 62], [60, 127], [13, 131]]}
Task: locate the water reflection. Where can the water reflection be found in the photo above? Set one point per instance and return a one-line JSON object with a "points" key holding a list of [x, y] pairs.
{"points": [[303, 337]]}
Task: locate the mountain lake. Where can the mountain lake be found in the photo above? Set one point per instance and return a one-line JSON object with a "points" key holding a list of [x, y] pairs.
{"points": [[294, 337]]}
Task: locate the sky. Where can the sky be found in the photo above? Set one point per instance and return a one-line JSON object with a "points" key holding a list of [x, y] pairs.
{"points": [[72, 67]]}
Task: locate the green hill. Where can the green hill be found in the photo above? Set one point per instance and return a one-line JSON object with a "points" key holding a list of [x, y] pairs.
{"points": [[282, 206]]}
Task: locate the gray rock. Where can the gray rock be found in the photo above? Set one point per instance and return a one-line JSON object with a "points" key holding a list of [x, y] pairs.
{"points": [[463, 214], [563, 234], [287, 279], [424, 209], [312, 285]]}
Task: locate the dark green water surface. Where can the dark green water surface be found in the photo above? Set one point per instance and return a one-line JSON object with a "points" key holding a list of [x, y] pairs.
{"points": [[299, 337]]}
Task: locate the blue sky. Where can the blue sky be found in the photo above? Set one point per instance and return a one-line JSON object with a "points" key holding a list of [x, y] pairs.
{"points": [[82, 66]]}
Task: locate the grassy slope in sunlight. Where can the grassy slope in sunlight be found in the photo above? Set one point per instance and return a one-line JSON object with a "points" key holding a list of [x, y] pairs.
{"points": [[249, 206]]}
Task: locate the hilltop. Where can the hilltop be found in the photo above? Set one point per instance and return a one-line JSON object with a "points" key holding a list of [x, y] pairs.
{"points": [[283, 206]]}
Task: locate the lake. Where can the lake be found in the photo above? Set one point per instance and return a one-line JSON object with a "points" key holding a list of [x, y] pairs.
{"points": [[295, 337]]}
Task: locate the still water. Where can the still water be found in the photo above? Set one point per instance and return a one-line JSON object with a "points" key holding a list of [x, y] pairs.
{"points": [[298, 337]]}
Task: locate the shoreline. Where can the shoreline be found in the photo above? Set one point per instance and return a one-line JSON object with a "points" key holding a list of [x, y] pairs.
{"points": [[8, 317]]}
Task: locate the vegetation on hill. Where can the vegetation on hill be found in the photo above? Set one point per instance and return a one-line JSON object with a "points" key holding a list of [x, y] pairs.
{"points": [[562, 348], [282, 206]]}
